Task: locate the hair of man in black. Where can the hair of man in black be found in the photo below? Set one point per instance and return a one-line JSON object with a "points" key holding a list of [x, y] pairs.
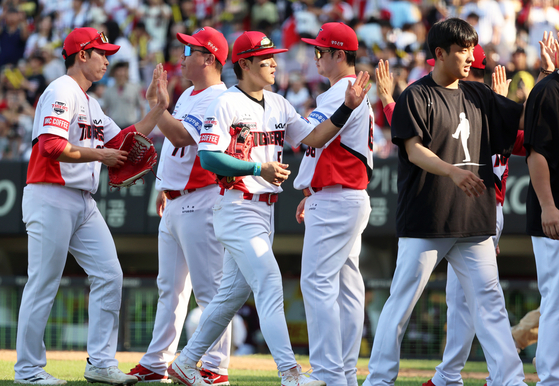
{"points": [[451, 31]]}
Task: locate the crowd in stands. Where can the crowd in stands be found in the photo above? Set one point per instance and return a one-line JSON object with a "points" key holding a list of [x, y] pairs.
{"points": [[32, 32]]}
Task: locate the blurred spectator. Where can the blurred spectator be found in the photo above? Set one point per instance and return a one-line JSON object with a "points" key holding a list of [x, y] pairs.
{"points": [[337, 10], [374, 33], [298, 93], [522, 81], [406, 40], [264, 10], [508, 31], [42, 36], [177, 84], [156, 15], [19, 119], [402, 12], [13, 35], [490, 19], [126, 53], [122, 12], [542, 17], [74, 17], [35, 82], [123, 101], [54, 65]]}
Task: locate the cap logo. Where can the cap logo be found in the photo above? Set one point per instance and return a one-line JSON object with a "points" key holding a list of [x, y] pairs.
{"points": [[337, 43], [212, 46], [198, 30]]}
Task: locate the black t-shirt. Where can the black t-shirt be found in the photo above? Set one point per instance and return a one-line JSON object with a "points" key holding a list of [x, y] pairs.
{"points": [[464, 127], [541, 134]]}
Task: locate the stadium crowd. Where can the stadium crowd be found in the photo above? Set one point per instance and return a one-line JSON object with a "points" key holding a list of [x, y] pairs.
{"points": [[32, 32]]}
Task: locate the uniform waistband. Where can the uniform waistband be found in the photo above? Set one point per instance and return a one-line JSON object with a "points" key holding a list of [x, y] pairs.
{"points": [[172, 194], [312, 190], [268, 198]]}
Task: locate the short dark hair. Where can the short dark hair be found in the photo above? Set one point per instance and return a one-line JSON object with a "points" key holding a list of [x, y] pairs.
{"points": [[350, 56], [478, 73], [71, 60], [445, 33], [238, 70], [218, 65]]}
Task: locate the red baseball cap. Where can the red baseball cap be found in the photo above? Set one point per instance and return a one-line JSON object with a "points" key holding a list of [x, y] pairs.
{"points": [[479, 58], [86, 38], [209, 38], [253, 43], [335, 35]]}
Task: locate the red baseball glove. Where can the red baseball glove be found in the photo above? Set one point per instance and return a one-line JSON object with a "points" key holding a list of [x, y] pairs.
{"points": [[141, 159], [240, 147]]}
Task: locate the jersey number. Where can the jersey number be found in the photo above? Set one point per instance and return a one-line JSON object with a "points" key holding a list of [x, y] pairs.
{"points": [[279, 157], [311, 152], [500, 160], [371, 127], [177, 150]]}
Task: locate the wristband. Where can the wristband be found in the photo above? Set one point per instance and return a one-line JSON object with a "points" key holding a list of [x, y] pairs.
{"points": [[257, 168], [341, 115], [546, 72]]}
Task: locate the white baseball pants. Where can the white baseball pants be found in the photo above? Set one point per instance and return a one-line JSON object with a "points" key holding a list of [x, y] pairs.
{"points": [[58, 220], [190, 258], [460, 330], [246, 230], [331, 283], [473, 260], [546, 251]]}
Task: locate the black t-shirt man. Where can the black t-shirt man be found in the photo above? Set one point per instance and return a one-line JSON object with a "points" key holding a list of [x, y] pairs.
{"points": [[541, 134], [463, 127]]}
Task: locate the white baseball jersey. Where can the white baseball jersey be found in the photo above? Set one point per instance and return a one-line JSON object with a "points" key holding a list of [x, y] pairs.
{"points": [[66, 110], [347, 159], [179, 168], [269, 126]]}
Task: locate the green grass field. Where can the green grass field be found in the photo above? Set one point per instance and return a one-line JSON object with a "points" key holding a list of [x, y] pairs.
{"points": [[72, 371]]}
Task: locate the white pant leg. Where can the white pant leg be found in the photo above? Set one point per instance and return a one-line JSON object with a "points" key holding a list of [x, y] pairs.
{"points": [[233, 292], [460, 334], [332, 286], [416, 260], [93, 248], [547, 264], [50, 214], [474, 262], [174, 287]]}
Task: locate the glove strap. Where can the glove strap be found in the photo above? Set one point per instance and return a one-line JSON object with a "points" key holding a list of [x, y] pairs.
{"points": [[257, 168]]}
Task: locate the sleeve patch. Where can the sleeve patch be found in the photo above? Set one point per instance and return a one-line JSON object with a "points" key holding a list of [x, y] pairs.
{"points": [[59, 107], [209, 122], [194, 122], [56, 122], [318, 116], [209, 138]]}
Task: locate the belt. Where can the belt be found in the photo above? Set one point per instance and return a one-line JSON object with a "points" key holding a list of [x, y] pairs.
{"points": [[268, 198], [172, 194], [308, 192]]}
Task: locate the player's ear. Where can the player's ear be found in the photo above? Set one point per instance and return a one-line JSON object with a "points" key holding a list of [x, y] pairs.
{"points": [[439, 53], [243, 64], [210, 59]]}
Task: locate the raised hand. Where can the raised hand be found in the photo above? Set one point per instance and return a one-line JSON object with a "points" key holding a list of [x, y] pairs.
{"points": [[385, 82], [355, 93], [499, 82], [162, 93], [151, 93], [549, 51]]}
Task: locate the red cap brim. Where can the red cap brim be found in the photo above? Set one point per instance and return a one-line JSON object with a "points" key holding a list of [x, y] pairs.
{"points": [[110, 49], [187, 39], [431, 62], [263, 52], [315, 42]]}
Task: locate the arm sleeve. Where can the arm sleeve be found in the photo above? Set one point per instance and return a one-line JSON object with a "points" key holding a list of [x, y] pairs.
{"points": [[225, 165], [519, 144], [51, 145], [115, 142], [388, 111]]}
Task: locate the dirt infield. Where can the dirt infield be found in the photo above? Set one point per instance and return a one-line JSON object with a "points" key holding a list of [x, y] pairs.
{"points": [[241, 363]]}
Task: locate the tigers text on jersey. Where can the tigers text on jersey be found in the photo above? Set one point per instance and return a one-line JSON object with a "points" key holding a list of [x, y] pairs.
{"points": [[463, 127], [269, 127], [347, 159], [65, 110], [179, 168]]}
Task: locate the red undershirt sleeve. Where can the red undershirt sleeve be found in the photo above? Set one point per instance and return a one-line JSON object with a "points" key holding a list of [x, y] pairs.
{"points": [[51, 145], [117, 140], [388, 111]]}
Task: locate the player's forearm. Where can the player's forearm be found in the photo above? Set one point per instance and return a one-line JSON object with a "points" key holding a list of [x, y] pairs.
{"points": [[224, 165], [326, 130], [146, 125], [79, 154], [174, 131], [424, 158], [539, 176]]}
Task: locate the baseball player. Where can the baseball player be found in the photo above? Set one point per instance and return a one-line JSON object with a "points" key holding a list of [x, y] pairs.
{"points": [[190, 257], [445, 205], [542, 216], [460, 326], [336, 210], [242, 142], [71, 138]]}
